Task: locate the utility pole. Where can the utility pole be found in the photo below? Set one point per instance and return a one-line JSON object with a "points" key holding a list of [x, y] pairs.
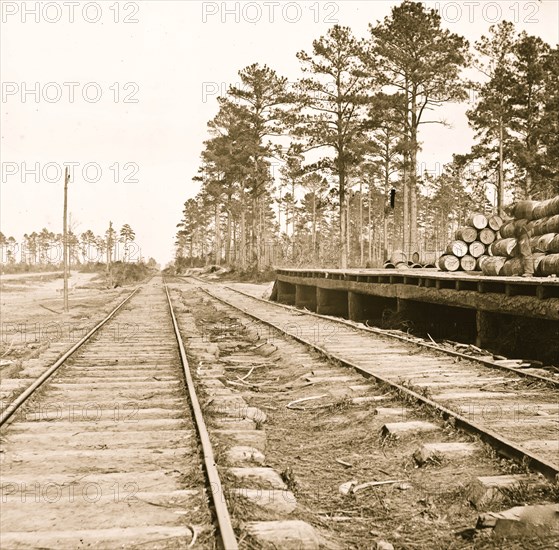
{"points": [[109, 245], [65, 238]]}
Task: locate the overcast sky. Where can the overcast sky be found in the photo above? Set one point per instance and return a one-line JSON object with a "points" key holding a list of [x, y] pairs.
{"points": [[125, 90]]}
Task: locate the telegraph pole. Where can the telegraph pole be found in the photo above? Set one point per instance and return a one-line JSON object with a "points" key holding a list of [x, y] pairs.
{"points": [[65, 238], [109, 246]]}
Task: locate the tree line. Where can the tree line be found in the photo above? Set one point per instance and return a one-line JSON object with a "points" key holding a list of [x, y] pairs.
{"points": [[45, 248], [302, 172]]}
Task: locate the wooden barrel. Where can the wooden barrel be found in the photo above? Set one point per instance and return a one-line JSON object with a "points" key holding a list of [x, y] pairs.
{"points": [[539, 210], [507, 230], [479, 221], [547, 208], [512, 268], [415, 257], [554, 245], [448, 262], [429, 266], [538, 257], [492, 265], [525, 210], [388, 265], [534, 242], [495, 222], [544, 242], [503, 247], [416, 266], [552, 224], [468, 263], [466, 234], [398, 256], [477, 249], [487, 236], [554, 207], [457, 248], [402, 265], [480, 261], [530, 226], [538, 227], [549, 265]]}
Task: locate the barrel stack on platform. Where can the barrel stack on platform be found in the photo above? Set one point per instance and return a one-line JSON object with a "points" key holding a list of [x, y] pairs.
{"points": [[471, 244], [541, 220], [399, 260]]}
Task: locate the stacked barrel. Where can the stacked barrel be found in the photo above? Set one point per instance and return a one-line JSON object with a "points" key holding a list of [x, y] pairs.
{"points": [[471, 243], [541, 220], [399, 260]]}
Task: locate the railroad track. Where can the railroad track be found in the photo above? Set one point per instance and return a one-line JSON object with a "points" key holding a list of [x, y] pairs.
{"points": [[105, 450], [108, 451], [515, 413]]}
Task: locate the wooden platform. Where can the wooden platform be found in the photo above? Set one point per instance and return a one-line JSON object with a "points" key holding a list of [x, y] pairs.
{"points": [[536, 297]]}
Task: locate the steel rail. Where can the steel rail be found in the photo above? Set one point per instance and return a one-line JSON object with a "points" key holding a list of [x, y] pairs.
{"points": [[503, 446], [9, 411], [380, 332], [226, 532]]}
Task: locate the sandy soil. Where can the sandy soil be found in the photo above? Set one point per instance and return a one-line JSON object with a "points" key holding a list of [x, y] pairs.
{"points": [[32, 318], [16, 276], [260, 290], [330, 441]]}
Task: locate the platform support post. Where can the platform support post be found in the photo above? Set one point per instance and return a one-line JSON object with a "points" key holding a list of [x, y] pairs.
{"points": [[355, 306], [331, 302], [286, 293], [484, 328], [305, 296]]}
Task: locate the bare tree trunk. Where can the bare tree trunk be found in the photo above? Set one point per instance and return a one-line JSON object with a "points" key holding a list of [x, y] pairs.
{"points": [[262, 235], [279, 208], [236, 254], [243, 244], [406, 212], [228, 236], [501, 183], [255, 253], [369, 223], [314, 227], [348, 228], [413, 180], [293, 216], [343, 233], [65, 239], [217, 216], [361, 241]]}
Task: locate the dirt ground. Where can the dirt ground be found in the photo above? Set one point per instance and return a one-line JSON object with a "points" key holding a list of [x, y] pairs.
{"points": [[32, 320], [331, 441]]}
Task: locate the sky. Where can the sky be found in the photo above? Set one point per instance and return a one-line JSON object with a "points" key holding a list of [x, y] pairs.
{"points": [[121, 93]]}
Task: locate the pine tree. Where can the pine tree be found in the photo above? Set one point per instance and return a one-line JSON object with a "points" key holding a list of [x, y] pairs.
{"points": [[331, 110], [412, 53], [529, 91]]}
